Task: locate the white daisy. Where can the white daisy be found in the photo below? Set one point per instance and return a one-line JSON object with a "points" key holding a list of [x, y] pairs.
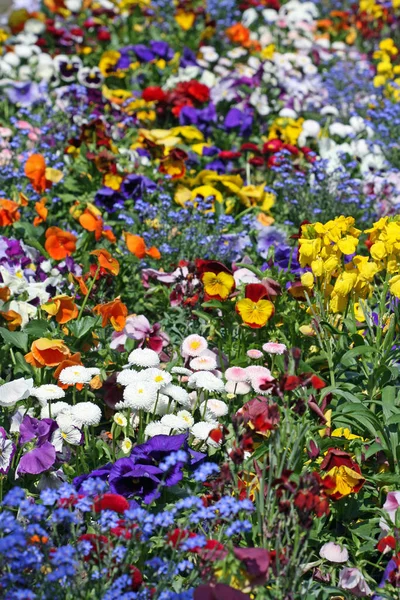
{"points": [[178, 394], [144, 357], [55, 409], [86, 413], [156, 428], [201, 430], [47, 392], [206, 381], [140, 395], [193, 345], [181, 371], [120, 419], [77, 374], [187, 417], [213, 408], [128, 376], [157, 377], [236, 374], [174, 422], [126, 446], [203, 363], [162, 405], [274, 348]]}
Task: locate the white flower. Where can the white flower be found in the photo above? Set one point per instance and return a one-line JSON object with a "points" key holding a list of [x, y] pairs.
{"points": [[239, 388], [174, 422], [162, 405], [47, 392], [206, 381], [140, 395], [126, 446], [86, 413], [128, 376], [214, 408], [201, 430], [187, 417], [55, 409], [77, 374], [156, 428], [194, 345], [70, 434], [181, 371], [120, 419], [203, 363], [14, 391], [157, 377], [334, 553], [178, 394], [144, 357]]}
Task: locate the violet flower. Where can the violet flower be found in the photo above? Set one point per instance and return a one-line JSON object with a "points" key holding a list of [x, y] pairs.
{"points": [[41, 454], [138, 328]]}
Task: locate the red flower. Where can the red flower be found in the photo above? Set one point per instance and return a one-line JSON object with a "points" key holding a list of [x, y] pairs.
{"points": [[153, 94], [317, 383], [136, 577], [177, 536], [229, 155], [110, 501], [386, 542], [198, 91], [272, 146]]}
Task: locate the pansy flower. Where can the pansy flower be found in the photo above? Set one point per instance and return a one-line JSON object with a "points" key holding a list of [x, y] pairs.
{"points": [[218, 280], [255, 309]]}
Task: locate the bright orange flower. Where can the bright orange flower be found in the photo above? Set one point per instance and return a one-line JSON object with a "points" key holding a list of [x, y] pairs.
{"points": [[13, 319], [238, 33], [40, 176], [114, 312], [42, 212], [63, 308], [137, 246], [106, 261], [47, 353], [91, 222], [82, 285], [8, 212], [59, 244]]}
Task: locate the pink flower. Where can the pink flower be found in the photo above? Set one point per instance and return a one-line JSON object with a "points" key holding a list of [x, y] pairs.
{"points": [[236, 374], [240, 388], [392, 504], [352, 579], [274, 348], [137, 327], [254, 354], [334, 553]]}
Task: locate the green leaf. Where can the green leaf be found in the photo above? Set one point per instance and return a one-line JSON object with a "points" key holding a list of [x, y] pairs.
{"points": [[349, 357], [82, 327], [15, 338], [37, 328]]}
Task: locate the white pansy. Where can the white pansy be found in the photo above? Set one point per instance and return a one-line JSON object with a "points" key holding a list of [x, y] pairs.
{"points": [[14, 391]]}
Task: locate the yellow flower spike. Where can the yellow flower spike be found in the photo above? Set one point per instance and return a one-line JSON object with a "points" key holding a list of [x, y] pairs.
{"points": [[344, 284], [307, 279], [378, 251], [359, 312], [348, 244], [394, 286]]}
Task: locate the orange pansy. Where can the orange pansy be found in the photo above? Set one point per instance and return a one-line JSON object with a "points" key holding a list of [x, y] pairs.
{"points": [[63, 308], [114, 312], [42, 212], [91, 222], [106, 261], [137, 246], [35, 170], [5, 293], [47, 353], [59, 244], [13, 319], [8, 212]]}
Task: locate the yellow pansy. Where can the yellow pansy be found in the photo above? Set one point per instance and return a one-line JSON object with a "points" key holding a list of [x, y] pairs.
{"points": [[218, 284]]}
